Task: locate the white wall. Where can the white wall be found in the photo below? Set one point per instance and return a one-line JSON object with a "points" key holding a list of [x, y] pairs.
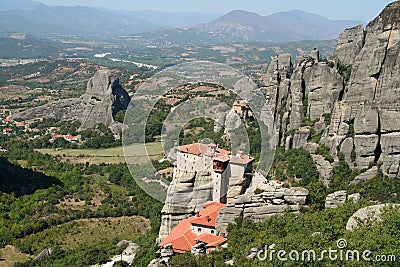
{"points": [[189, 162]]}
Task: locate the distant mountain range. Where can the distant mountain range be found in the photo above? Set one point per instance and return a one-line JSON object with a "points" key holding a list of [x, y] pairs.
{"points": [[294, 25], [40, 19], [32, 17], [173, 19]]}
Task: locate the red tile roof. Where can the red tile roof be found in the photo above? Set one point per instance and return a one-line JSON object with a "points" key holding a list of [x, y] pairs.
{"points": [[241, 159], [211, 240], [70, 137], [223, 151], [183, 239], [200, 149], [208, 216], [194, 149], [220, 155], [222, 158]]}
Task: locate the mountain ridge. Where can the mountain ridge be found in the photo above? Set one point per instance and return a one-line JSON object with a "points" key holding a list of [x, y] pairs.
{"points": [[308, 26], [34, 18]]}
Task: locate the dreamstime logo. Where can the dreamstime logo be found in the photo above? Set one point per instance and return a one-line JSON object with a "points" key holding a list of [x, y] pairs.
{"points": [[168, 82], [340, 253]]}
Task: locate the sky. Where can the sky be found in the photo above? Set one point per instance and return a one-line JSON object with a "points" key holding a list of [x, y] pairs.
{"points": [[363, 10]]}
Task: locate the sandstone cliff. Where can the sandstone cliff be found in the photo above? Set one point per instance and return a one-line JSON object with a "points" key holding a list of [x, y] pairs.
{"points": [[103, 98], [318, 102], [371, 104], [186, 194]]}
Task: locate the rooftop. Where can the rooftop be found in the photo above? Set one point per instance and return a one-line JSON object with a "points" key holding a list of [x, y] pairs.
{"points": [[211, 240], [199, 149], [241, 159], [183, 239]]}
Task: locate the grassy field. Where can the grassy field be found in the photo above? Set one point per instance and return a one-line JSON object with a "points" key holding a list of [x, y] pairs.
{"points": [[88, 232], [108, 155]]}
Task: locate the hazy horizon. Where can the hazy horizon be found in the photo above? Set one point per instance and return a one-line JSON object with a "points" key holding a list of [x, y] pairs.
{"points": [[336, 10]]}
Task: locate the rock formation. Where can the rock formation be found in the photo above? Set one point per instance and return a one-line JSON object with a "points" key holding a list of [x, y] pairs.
{"points": [[371, 101], [103, 98], [369, 174], [186, 194], [338, 198], [357, 115], [262, 206], [350, 44], [368, 214]]}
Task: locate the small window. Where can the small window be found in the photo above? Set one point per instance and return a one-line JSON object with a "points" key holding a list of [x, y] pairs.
{"points": [[199, 230], [212, 232]]}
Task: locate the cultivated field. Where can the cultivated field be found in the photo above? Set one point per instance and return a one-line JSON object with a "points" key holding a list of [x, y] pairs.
{"points": [[108, 155]]}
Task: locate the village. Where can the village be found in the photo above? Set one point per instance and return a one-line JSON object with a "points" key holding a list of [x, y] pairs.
{"points": [[15, 129]]}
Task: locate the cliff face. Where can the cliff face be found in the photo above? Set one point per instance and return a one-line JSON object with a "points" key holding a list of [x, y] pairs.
{"points": [[371, 102], [103, 98], [185, 196], [358, 116]]}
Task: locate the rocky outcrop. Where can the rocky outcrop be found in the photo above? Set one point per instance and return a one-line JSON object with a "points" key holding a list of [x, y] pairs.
{"points": [[347, 148], [350, 44], [324, 168], [356, 116], [186, 194], [368, 175], [46, 253], [262, 206], [276, 89], [300, 137], [371, 102], [367, 215], [323, 87], [314, 89], [338, 199], [103, 98]]}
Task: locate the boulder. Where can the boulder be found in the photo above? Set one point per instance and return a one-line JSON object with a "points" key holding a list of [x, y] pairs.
{"points": [[368, 175], [367, 215], [324, 168], [354, 197], [336, 199], [262, 206]]}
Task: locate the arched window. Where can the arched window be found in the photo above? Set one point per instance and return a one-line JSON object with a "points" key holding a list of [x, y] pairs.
{"points": [[212, 232], [199, 230]]}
